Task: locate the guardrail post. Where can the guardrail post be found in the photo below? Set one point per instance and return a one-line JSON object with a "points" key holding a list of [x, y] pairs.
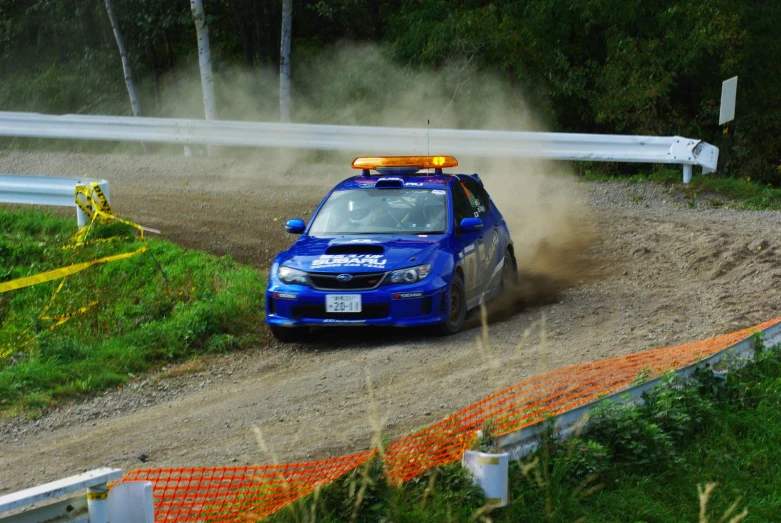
{"points": [[97, 504], [687, 173], [81, 218]]}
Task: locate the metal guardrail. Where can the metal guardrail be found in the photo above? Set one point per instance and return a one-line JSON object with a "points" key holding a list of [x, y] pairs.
{"points": [[89, 506], [93, 502], [45, 190], [369, 140], [568, 424]]}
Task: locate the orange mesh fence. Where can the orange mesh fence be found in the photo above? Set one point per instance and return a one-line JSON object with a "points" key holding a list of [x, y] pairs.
{"points": [[244, 494], [530, 401], [238, 494]]}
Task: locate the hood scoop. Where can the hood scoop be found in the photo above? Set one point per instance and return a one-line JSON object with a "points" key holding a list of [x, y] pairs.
{"points": [[355, 248], [389, 184]]}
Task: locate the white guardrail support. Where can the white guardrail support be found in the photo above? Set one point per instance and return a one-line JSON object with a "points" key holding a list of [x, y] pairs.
{"points": [[368, 140], [569, 424], [46, 190]]}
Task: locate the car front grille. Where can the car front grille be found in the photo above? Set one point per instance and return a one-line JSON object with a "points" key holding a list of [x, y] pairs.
{"points": [[358, 281], [369, 311]]}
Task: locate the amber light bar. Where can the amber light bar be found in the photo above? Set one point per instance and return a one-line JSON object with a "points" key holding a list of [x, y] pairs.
{"points": [[421, 162]]}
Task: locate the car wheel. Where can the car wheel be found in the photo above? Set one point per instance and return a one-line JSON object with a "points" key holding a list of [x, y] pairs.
{"points": [[289, 334], [456, 309], [509, 273]]}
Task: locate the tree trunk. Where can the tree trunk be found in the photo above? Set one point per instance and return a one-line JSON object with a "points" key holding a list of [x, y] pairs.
{"points": [[205, 61], [284, 61], [169, 53], [131, 88]]}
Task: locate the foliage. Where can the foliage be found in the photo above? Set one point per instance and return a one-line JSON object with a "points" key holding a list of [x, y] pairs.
{"points": [[678, 408], [633, 438], [486, 440], [642, 67], [581, 459], [198, 303]]}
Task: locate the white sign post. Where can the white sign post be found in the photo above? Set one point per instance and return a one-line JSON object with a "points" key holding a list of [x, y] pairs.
{"points": [[729, 91]]}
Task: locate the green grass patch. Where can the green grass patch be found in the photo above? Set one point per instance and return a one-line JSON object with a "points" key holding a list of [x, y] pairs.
{"points": [[744, 193], [633, 464], [158, 306]]}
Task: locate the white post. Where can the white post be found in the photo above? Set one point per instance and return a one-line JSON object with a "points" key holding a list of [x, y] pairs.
{"points": [[687, 173], [81, 218], [97, 504]]}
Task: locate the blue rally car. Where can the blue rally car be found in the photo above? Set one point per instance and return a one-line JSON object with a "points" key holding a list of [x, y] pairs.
{"points": [[407, 246]]}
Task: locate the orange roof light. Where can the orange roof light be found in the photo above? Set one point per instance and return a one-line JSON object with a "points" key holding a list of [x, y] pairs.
{"points": [[421, 162]]}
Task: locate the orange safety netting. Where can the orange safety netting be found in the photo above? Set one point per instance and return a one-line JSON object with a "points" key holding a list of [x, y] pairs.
{"points": [[244, 494], [238, 494]]}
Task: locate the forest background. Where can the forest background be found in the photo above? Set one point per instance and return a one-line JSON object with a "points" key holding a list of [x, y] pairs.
{"points": [[593, 66]]}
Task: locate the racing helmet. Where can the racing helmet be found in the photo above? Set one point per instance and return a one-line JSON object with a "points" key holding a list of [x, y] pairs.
{"points": [[360, 212]]}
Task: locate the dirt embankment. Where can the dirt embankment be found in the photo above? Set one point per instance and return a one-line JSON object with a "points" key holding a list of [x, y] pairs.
{"points": [[661, 273]]}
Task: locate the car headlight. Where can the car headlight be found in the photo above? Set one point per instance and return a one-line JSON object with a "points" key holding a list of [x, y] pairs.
{"points": [[290, 275], [410, 275]]}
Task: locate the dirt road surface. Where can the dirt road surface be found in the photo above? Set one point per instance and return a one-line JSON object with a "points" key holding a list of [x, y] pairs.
{"points": [[666, 272]]}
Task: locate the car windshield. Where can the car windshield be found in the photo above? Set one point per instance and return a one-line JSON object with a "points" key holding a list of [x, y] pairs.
{"points": [[382, 211]]}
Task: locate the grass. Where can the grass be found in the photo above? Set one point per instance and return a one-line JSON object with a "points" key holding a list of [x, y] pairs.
{"points": [[743, 192], [157, 307], [697, 450]]}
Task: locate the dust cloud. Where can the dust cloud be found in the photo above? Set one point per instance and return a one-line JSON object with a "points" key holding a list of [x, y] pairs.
{"points": [[354, 84], [552, 227]]}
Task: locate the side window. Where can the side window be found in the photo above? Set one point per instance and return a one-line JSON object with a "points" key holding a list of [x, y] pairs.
{"points": [[461, 207], [478, 198]]}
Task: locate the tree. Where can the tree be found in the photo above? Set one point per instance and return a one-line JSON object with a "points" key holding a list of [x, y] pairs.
{"points": [[204, 59], [131, 88], [284, 61]]}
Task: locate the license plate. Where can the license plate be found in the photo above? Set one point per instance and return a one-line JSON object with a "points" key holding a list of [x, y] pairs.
{"points": [[343, 303]]}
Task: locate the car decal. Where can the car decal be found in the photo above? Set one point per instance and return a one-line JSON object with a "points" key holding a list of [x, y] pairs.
{"points": [[353, 241], [373, 261], [470, 271], [407, 295], [497, 269], [492, 248]]}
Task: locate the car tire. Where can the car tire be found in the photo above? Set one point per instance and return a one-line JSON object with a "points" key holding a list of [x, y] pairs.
{"points": [[289, 334], [509, 278], [456, 307]]}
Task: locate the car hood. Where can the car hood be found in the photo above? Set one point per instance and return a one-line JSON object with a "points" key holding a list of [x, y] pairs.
{"points": [[351, 254]]}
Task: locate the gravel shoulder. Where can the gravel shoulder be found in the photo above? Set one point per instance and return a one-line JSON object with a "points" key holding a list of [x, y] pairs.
{"points": [[665, 274]]}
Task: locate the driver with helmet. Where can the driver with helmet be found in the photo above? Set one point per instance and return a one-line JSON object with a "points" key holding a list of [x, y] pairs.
{"points": [[365, 214]]}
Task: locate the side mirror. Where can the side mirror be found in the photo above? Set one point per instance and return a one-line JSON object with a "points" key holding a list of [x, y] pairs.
{"points": [[471, 224], [295, 226]]}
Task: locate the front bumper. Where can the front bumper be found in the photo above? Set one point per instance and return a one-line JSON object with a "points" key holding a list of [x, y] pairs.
{"points": [[400, 305]]}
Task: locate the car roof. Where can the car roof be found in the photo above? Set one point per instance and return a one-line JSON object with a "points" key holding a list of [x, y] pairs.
{"points": [[419, 181]]}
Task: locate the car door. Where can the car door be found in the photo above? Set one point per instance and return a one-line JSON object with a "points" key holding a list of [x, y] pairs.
{"points": [[491, 247], [469, 244]]}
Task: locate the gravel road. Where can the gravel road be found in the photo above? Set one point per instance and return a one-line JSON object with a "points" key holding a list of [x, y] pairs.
{"points": [[661, 271]]}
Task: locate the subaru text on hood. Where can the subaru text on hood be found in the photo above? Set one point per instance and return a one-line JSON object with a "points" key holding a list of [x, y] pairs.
{"points": [[407, 246]]}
